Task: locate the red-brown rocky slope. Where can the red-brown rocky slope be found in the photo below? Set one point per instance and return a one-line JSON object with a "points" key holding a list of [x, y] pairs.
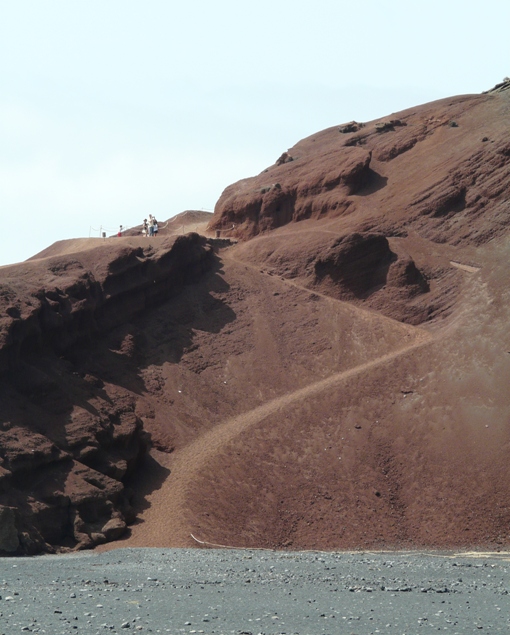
{"points": [[440, 169], [311, 418], [286, 418], [396, 197], [70, 433], [337, 382]]}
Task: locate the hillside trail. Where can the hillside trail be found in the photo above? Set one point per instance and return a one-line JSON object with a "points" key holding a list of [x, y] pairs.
{"points": [[164, 522], [351, 308]]}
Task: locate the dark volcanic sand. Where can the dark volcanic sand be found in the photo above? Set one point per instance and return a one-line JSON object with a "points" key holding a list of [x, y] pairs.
{"points": [[255, 592]]}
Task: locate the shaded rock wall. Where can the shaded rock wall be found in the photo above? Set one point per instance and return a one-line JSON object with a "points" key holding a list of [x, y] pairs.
{"points": [[356, 263], [81, 297], [70, 438]]}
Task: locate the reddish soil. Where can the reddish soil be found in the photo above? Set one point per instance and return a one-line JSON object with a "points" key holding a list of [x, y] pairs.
{"points": [[337, 379], [306, 422]]}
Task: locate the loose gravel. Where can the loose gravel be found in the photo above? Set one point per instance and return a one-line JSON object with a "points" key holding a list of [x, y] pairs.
{"points": [[229, 592]]}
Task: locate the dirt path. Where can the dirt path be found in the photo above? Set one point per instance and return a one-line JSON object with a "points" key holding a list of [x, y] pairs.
{"points": [[468, 268], [353, 309], [164, 523]]}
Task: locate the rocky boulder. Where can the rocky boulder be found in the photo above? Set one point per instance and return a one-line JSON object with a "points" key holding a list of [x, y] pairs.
{"points": [[357, 264]]}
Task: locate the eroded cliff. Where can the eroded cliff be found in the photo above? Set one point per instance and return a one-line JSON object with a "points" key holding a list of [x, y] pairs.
{"points": [[70, 434]]}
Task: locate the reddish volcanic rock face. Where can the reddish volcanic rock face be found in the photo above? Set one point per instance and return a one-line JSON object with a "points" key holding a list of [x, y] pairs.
{"points": [[70, 435], [437, 173], [437, 169]]}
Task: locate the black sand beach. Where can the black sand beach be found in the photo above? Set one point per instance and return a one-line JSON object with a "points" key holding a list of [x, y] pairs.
{"points": [[255, 592]]}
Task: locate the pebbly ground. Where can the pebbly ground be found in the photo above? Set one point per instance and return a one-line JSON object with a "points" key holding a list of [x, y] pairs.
{"points": [[254, 592]]}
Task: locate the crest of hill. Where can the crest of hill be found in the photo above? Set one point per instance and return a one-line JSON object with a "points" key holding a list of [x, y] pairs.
{"points": [[187, 221], [183, 223], [440, 169]]}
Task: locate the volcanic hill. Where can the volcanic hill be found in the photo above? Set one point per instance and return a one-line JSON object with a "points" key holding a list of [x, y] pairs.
{"points": [[326, 366]]}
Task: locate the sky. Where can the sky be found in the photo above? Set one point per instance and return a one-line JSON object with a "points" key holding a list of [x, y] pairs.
{"points": [[114, 109]]}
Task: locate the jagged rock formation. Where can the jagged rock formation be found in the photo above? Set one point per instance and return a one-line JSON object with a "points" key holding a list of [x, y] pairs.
{"points": [[70, 435], [499, 88]]}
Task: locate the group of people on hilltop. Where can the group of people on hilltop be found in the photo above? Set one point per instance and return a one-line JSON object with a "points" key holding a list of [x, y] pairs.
{"points": [[150, 227]]}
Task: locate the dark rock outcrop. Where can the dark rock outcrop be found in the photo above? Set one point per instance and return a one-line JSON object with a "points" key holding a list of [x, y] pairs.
{"points": [[499, 88], [357, 264], [352, 126], [70, 438], [9, 541], [81, 297]]}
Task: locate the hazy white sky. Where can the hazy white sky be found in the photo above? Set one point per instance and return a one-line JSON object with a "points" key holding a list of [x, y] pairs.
{"points": [[114, 109]]}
